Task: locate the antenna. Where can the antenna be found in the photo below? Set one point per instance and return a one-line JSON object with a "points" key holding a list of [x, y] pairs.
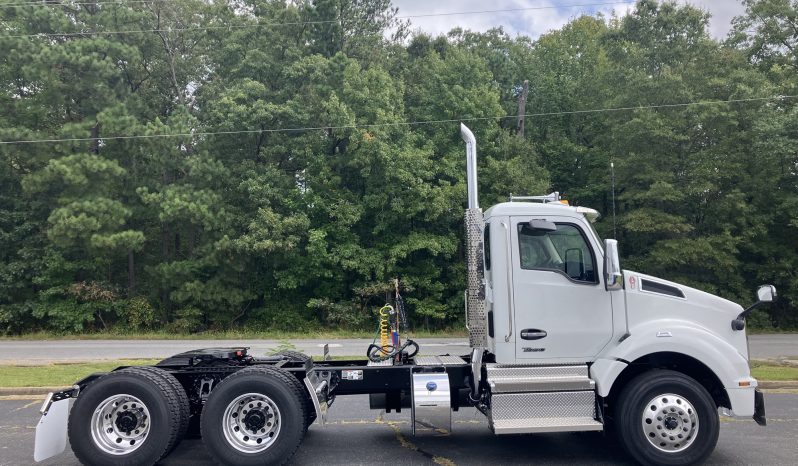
{"points": [[614, 226]]}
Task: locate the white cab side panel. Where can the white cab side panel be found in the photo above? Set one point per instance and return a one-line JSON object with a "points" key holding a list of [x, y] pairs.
{"points": [[671, 335], [604, 372]]}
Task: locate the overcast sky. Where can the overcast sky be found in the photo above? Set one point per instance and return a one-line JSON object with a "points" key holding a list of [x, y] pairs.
{"points": [[536, 22]]}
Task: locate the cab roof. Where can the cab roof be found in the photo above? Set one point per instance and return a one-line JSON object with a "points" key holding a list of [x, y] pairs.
{"points": [[540, 208]]}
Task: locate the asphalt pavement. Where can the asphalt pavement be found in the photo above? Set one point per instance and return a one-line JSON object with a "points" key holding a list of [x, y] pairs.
{"points": [[45, 351], [357, 435]]}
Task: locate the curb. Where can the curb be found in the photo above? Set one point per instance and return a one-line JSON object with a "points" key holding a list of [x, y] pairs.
{"points": [[6, 391], [778, 384], [16, 391]]}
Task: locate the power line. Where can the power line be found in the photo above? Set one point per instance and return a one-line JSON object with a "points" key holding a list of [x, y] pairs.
{"points": [[399, 123], [40, 3], [299, 23]]}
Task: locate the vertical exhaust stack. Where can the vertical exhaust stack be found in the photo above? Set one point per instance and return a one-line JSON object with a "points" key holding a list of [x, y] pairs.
{"points": [[471, 166], [476, 319]]}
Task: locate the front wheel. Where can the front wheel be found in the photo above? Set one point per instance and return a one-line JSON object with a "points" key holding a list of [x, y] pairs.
{"points": [[664, 417]]}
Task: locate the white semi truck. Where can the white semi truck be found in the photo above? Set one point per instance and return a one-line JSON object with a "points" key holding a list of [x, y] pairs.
{"points": [[562, 340]]}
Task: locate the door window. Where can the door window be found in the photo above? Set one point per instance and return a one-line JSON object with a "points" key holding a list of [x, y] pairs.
{"points": [[564, 250]]}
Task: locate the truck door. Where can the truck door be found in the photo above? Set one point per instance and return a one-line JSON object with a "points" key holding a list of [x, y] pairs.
{"points": [[561, 309]]}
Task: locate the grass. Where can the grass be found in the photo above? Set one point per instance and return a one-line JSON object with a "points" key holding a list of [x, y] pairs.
{"points": [[231, 335], [65, 374], [57, 375], [763, 371]]}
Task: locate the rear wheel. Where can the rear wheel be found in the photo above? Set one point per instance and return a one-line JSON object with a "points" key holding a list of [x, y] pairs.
{"points": [[309, 408], [127, 417], [667, 418], [254, 417], [184, 408]]}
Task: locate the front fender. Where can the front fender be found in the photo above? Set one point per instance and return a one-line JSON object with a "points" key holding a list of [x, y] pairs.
{"points": [[675, 336]]}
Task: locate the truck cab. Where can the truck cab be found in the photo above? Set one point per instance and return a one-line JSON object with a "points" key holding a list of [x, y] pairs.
{"points": [[574, 342], [548, 301]]}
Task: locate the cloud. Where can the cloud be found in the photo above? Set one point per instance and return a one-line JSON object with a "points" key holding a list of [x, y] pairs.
{"points": [[722, 11], [535, 22]]}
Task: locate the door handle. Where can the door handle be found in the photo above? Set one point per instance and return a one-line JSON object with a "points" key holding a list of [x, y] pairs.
{"points": [[510, 306], [533, 334]]}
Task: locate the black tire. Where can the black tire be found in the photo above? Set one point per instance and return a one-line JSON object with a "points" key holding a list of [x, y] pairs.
{"points": [[310, 410], [182, 400], [632, 410], [282, 389], [152, 391], [294, 356], [302, 357]]}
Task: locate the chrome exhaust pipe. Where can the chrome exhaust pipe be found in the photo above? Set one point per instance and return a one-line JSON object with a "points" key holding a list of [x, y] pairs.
{"points": [[471, 166], [474, 226]]}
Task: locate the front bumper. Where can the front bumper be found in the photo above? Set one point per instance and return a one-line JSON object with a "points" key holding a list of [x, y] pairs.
{"points": [[759, 408]]}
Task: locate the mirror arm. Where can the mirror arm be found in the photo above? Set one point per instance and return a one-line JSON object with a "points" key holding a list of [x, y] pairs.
{"points": [[739, 322]]}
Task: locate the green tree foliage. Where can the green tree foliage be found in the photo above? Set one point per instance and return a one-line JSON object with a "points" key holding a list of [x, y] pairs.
{"points": [[301, 229]]}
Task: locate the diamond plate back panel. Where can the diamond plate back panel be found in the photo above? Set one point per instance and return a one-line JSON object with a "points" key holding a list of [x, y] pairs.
{"points": [[510, 372], [477, 318], [578, 404], [439, 361]]}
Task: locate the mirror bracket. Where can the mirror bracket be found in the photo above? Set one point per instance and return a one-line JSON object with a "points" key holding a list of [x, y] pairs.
{"points": [[762, 293]]}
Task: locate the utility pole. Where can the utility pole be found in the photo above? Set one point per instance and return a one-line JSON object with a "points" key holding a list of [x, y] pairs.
{"points": [[522, 109], [614, 227]]}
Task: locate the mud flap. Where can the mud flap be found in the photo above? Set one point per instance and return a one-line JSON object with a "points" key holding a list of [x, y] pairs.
{"points": [[759, 408], [51, 432]]}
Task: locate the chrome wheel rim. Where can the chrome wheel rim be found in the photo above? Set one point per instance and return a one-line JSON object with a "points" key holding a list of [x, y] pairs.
{"points": [[251, 423], [120, 424], [670, 423]]}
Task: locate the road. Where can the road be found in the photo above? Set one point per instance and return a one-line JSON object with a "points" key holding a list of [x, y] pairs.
{"points": [[44, 351], [357, 435]]}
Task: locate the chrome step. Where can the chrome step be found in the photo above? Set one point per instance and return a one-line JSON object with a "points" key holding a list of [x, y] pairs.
{"points": [[554, 424], [514, 413], [514, 379]]}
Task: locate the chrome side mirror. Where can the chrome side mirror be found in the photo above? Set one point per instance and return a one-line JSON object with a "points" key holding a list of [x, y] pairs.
{"points": [[766, 294], [613, 277]]}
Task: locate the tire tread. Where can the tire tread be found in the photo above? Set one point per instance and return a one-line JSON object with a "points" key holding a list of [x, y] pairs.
{"points": [[184, 407]]}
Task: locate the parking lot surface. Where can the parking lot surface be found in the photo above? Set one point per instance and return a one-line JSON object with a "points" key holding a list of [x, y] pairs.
{"points": [[357, 435]]}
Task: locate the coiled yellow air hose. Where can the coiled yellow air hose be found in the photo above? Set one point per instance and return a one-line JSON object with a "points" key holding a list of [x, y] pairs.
{"points": [[385, 326]]}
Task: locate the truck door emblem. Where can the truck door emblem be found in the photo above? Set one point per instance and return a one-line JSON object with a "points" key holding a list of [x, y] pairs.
{"points": [[533, 350], [632, 282]]}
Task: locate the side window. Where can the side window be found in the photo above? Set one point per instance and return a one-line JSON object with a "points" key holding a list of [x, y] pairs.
{"points": [[564, 250]]}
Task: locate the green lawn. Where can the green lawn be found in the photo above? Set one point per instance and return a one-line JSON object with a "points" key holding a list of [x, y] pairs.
{"points": [[65, 374], [762, 371], [57, 375]]}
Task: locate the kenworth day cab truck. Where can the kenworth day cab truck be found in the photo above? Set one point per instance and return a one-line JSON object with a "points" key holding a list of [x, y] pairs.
{"points": [[561, 340]]}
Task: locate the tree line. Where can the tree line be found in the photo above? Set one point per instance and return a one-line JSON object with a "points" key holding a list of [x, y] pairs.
{"points": [[291, 158]]}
